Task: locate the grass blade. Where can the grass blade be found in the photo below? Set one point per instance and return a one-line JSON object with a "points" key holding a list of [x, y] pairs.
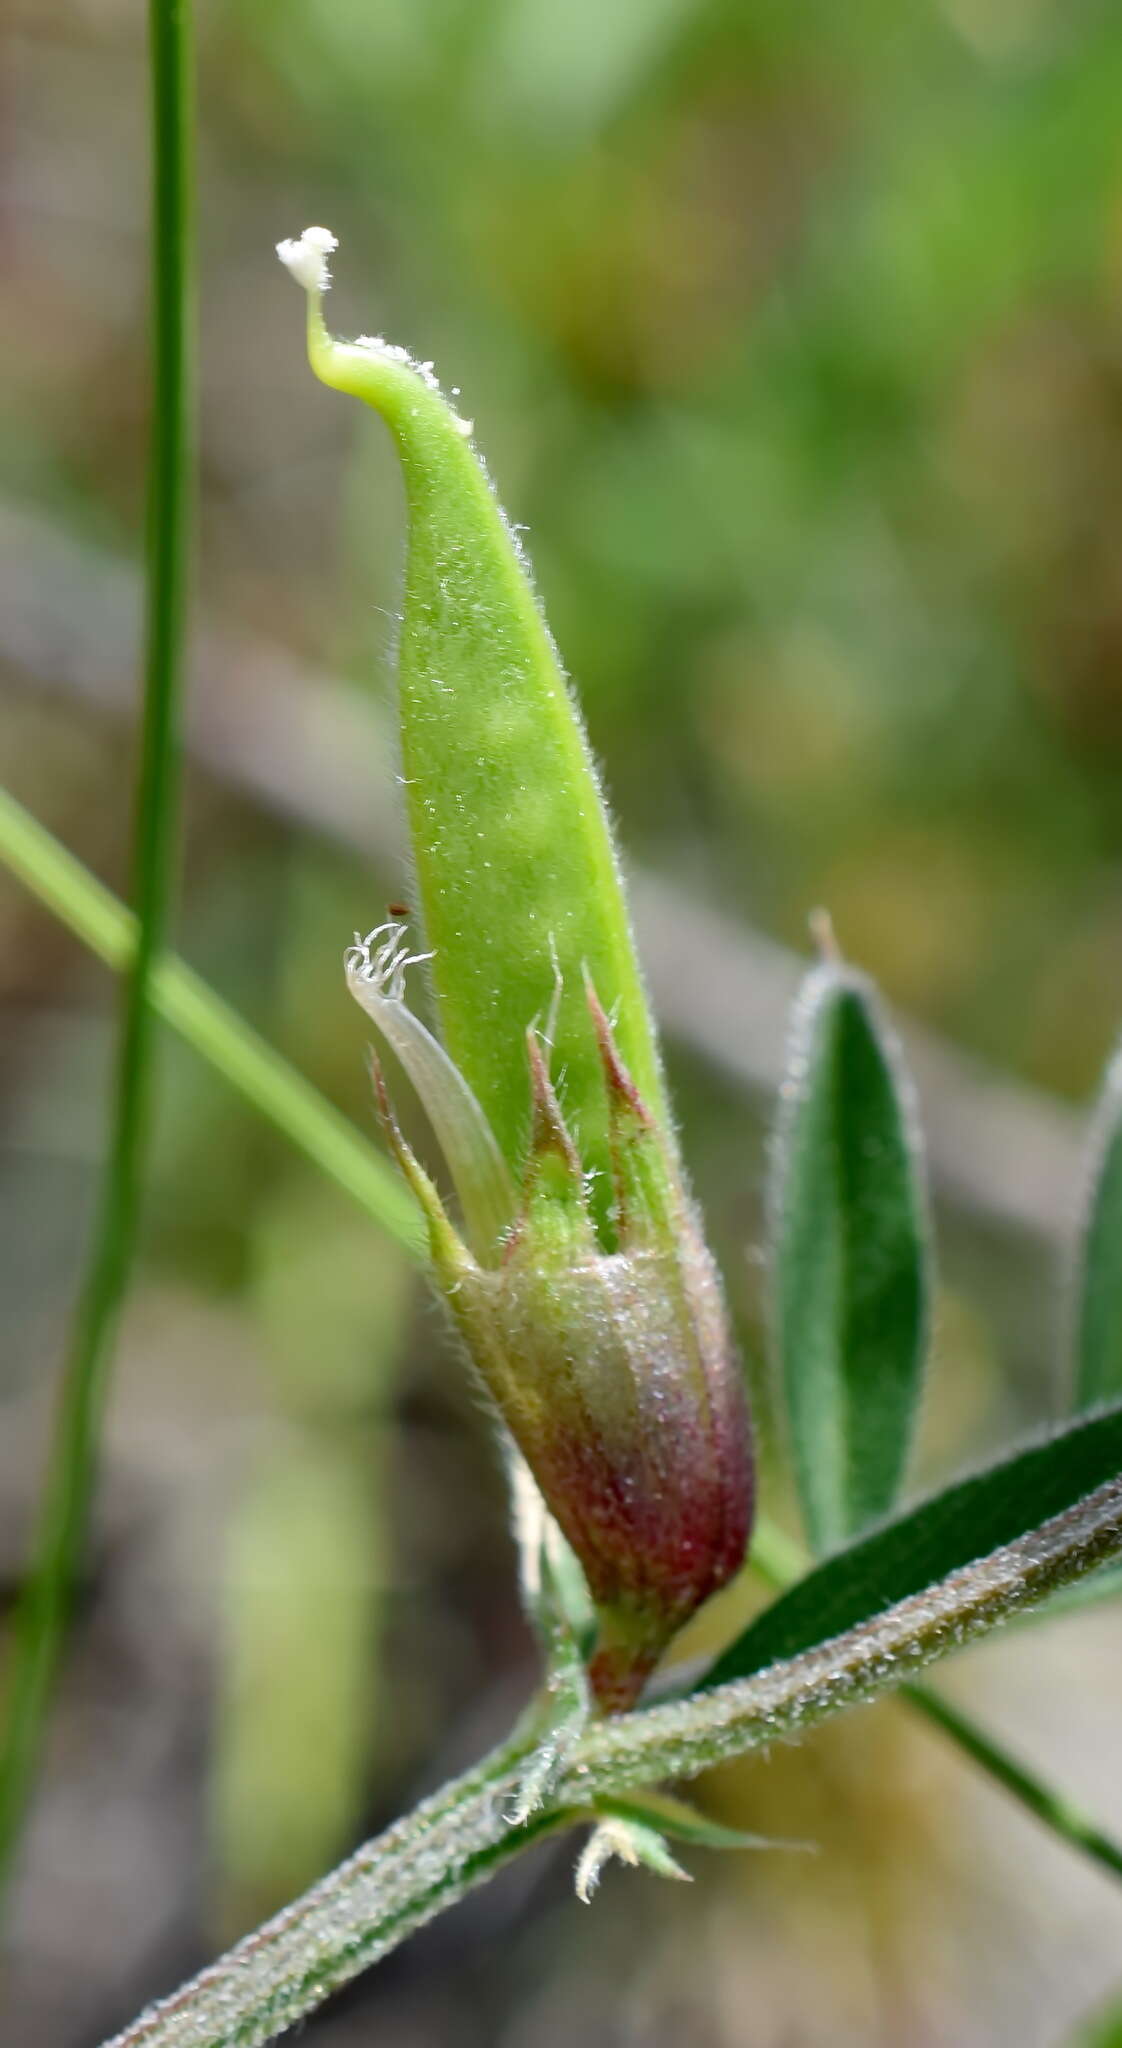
{"points": [[1098, 1304], [850, 1277], [261, 1076], [1057, 1813], [41, 1620]]}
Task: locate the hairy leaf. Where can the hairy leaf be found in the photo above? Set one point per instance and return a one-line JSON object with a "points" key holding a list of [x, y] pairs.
{"points": [[850, 1286], [1098, 1330], [915, 1550], [684, 1823]]}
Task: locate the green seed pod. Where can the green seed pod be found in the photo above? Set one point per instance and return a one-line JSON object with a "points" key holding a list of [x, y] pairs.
{"points": [[516, 876], [588, 1302]]}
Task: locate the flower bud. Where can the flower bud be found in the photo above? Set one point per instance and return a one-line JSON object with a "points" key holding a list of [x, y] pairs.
{"points": [[584, 1292]]}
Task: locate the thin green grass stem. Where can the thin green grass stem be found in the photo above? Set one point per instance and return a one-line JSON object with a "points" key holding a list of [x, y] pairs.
{"points": [[1061, 1815], [261, 1076], [42, 1618]]}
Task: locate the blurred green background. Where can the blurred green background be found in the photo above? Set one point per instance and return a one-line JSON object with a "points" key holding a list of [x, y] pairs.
{"points": [[793, 336]]}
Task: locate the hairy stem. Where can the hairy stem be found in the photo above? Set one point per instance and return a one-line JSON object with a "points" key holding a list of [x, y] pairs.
{"points": [[780, 1561], [686, 1736], [449, 1844], [461, 1836], [42, 1618]]}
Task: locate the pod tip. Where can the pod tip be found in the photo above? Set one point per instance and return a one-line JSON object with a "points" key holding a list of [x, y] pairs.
{"points": [[306, 259]]}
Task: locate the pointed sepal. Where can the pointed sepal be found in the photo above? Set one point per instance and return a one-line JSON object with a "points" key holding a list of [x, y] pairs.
{"points": [[627, 1841], [450, 1255], [649, 1206]]}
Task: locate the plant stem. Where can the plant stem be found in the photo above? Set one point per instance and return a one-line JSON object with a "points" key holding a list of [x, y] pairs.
{"points": [[261, 1076], [1073, 1827], [686, 1736], [458, 1838], [780, 1560], [452, 1842], [43, 1613]]}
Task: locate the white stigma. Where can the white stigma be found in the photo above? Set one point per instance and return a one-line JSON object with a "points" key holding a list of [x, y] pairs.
{"points": [[376, 967], [307, 258], [381, 968]]}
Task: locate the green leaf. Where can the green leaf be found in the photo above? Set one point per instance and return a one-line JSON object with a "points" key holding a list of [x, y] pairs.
{"points": [[917, 1549], [850, 1275], [1098, 1331], [683, 1823]]}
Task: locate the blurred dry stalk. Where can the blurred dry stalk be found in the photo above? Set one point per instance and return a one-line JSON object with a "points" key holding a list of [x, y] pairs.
{"points": [[314, 753]]}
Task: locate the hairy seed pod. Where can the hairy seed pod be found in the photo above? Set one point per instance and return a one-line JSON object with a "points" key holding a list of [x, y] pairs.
{"points": [[585, 1294]]}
